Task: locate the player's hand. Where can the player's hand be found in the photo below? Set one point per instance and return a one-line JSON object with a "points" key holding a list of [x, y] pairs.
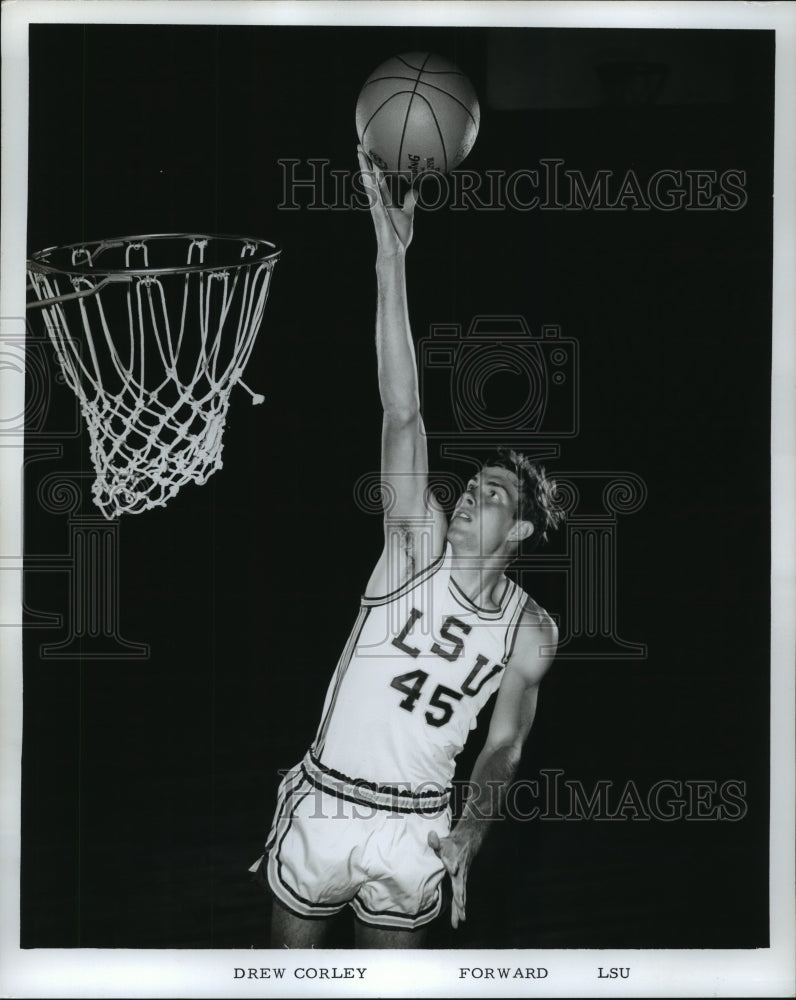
{"points": [[455, 855], [393, 223]]}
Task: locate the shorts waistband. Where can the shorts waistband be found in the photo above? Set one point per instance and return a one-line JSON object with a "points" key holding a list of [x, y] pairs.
{"points": [[434, 800]]}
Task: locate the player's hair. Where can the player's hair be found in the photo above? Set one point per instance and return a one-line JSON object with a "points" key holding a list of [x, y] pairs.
{"points": [[537, 502]]}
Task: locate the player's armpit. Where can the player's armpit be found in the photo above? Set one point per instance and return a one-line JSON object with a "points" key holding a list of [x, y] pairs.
{"points": [[411, 544]]}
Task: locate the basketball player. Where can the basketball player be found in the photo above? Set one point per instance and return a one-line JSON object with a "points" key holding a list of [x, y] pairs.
{"points": [[364, 820]]}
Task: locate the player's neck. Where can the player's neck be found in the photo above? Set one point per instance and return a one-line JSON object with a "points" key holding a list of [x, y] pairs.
{"points": [[481, 579]]}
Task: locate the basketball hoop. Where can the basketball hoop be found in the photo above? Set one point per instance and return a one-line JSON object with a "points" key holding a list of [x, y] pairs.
{"points": [[175, 318]]}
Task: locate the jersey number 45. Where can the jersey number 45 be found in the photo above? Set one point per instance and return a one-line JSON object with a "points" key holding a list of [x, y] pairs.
{"points": [[411, 685]]}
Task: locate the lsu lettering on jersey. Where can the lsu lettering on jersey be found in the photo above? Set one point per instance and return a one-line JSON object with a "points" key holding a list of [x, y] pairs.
{"points": [[419, 665]]}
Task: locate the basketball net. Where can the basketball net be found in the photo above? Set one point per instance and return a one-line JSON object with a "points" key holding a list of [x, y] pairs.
{"points": [[153, 355]]}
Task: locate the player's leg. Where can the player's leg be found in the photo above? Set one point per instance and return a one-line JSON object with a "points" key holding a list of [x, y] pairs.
{"points": [[368, 936], [289, 930]]}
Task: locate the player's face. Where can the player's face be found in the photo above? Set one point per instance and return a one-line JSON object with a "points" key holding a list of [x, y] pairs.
{"points": [[485, 517]]}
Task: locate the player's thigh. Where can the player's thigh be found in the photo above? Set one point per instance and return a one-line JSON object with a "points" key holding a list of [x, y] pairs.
{"points": [[289, 930], [368, 936]]}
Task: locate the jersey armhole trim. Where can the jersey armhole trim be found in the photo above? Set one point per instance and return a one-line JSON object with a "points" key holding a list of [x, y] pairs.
{"points": [[514, 626], [410, 584]]}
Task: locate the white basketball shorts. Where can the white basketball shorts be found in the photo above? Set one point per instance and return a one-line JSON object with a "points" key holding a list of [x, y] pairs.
{"points": [[336, 842]]}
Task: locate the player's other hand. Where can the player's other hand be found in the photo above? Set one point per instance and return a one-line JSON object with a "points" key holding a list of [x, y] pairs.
{"points": [[393, 223], [455, 855]]}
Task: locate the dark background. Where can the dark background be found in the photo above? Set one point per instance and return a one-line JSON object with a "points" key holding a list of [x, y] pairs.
{"points": [[148, 784]]}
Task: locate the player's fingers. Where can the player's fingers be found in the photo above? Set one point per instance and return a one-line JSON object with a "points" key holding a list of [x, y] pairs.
{"points": [[410, 201], [458, 892], [384, 188], [440, 849], [451, 862], [451, 867], [364, 167], [365, 164], [371, 190], [370, 182], [456, 914]]}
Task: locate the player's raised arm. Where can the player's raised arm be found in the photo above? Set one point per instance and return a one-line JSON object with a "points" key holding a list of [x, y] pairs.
{"points": [[413, 524]]}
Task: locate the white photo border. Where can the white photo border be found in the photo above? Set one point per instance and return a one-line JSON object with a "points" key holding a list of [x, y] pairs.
{"points": [[127, 973]]}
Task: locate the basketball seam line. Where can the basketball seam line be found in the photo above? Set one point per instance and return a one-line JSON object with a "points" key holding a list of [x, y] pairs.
{"points": [[452, 72], [439, 130], [406, 117], [378, 109], [433, 86]]}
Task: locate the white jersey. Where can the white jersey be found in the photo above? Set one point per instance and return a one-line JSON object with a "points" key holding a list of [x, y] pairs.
{"points": [[419, 665]]}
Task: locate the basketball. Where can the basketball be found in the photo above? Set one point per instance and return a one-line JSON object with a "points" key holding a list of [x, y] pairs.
{"points": [[417, 112]]}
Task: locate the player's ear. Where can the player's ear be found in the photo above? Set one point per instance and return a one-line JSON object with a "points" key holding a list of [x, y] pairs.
{"points": [[520, 530]]}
